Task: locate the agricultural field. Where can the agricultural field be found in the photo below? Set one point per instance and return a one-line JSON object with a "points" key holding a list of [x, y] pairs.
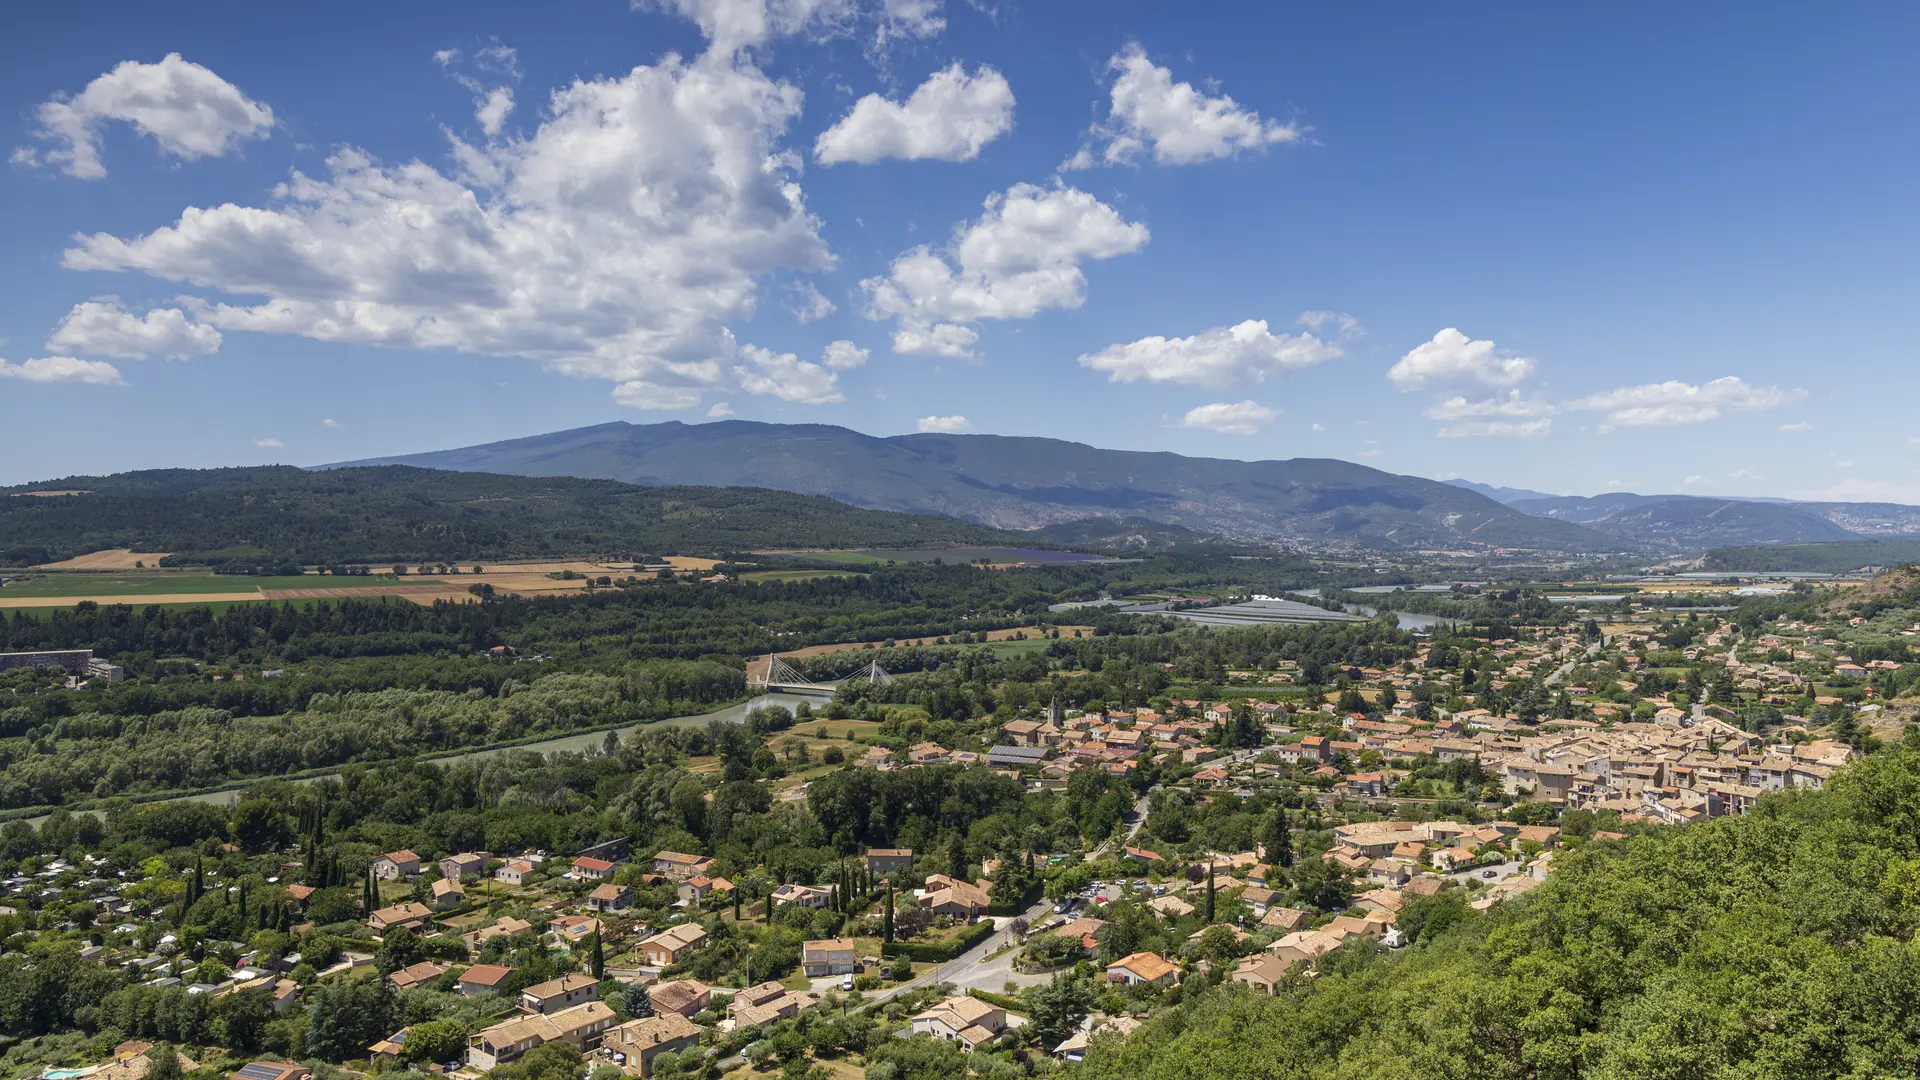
{"points": [[111, 559], [993, 556], [186, 587], [136, 584], [793, 575]]}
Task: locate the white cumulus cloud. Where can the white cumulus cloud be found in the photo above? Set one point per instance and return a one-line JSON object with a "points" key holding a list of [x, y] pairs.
{"points": [[493, 110], [187, 110], [330, 422], [903, 19], [946, 425], [1174, 121], [270, 444], [787, 377], [1497, 429], [1512, 416], [1673, 403], [947, 118], [1512, 405], [615, 242], [720, 409], [844, 355], [492, 104], [104, 328], [732, 25], [1452, 358], [1226, 356], [808, 305], [949, 341], [52, 369], [1229, 418], [1021, 257]]}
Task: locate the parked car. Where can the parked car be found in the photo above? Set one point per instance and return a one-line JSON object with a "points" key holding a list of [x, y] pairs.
{"points": [[1489, 873]]}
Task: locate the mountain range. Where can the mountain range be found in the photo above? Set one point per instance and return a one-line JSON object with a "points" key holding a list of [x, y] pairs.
{"points": [[1034, 483], [1691, 522], [1085, 496]]}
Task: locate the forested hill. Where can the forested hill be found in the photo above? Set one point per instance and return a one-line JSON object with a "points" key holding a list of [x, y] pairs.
{"points": [[272, 514], [1778, 944], [1027, 483], [1815, 558]]}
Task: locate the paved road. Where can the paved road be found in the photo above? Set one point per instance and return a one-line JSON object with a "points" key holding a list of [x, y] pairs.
{"points": [[1139, 819], [971, 969], [1560, 672]]}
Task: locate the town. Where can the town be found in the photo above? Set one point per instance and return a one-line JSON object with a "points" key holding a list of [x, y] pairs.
{"points": [[1001, 853]]}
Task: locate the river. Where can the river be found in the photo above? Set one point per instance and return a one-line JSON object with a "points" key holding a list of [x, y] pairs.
{"points": [[1408, 620], [576, 742]]}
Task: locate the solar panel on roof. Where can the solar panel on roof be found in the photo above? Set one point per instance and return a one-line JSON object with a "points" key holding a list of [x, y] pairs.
{"points": [[259, 1071]]}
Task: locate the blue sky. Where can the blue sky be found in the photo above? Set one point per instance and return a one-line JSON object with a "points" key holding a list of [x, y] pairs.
{"points": [[1660, 250]]}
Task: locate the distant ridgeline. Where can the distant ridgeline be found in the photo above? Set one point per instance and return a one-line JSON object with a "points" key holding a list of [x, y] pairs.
{"points": [[280, 514], [1836, 558]]}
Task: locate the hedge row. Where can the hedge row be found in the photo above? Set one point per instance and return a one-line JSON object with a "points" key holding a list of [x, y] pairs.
{"points": [[924, 953], [1001, 1001]]}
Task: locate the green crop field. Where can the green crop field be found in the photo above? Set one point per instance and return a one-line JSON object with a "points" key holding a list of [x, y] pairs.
{"points": [[794, 575]]}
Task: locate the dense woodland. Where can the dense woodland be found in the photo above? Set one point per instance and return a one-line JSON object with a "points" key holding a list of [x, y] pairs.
{"points": [[276, 515], [1778, 944]]}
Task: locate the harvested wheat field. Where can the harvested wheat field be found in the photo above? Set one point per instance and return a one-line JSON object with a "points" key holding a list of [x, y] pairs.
{"points": [[528, 584], [578, 566], [112, 559], [433, 590], [684, 562], [136, 599]]}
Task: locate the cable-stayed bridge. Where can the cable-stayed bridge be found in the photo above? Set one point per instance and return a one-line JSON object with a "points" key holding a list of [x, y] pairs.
{"points": [[783, 678]]}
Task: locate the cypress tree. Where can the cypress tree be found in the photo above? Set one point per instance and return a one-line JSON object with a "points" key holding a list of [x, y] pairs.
{"points": [[888, 938], [199, 888], [1280, 840], [1209, 890], [599, 958], [737, 890]]}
